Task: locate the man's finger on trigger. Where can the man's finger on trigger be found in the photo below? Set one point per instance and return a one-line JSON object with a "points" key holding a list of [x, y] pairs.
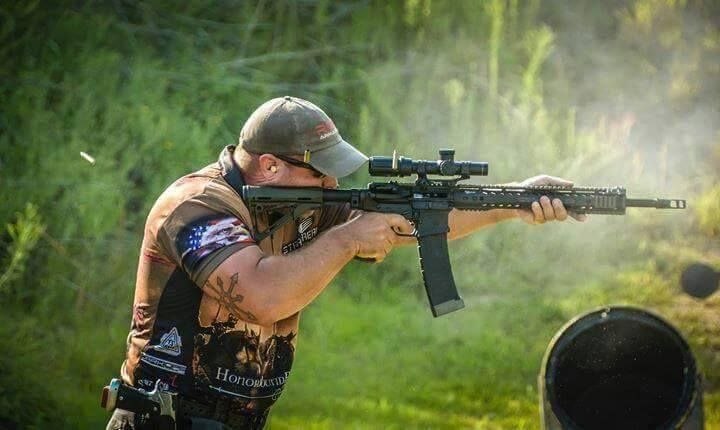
{"points": [[406, 240], [401, 224], [537, 211], [408, 228], [402, 230], [560, 211]]}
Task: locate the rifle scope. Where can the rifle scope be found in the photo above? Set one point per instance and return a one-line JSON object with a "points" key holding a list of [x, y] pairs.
{"points": [[445, 166]]}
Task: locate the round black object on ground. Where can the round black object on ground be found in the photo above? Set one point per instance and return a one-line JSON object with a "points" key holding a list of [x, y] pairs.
{"points": [[699, 280], [619, 368]]}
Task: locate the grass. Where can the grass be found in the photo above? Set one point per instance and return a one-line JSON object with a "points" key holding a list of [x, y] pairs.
{"points": [[395, 366], [371, 356]]}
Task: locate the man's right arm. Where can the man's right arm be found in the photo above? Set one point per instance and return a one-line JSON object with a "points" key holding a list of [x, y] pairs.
{"points": [[263, 289]]}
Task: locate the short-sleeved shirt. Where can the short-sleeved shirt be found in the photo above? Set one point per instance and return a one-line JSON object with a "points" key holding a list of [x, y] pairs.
{"points": [[184, 337]]}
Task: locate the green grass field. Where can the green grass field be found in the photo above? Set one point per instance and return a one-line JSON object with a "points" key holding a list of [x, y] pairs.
{"points": [[394, 366]]}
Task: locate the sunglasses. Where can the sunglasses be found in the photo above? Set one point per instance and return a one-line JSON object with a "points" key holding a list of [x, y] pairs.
{"points": [[298, 163]]}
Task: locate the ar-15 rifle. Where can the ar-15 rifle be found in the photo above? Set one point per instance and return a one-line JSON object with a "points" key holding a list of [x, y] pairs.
{"points": [[427, 203]]}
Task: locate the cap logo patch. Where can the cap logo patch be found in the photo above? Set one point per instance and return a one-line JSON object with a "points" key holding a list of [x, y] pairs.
{"points": [[325, 130]]}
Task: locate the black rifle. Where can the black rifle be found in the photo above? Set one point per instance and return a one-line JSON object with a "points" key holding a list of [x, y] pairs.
{"points": [[427, 203]]}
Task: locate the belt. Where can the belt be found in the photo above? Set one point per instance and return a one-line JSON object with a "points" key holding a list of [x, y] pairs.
{"points": [[221, 412]]}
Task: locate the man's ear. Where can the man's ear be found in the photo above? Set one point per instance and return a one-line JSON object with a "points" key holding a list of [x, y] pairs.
{"points": [[269, 164]]}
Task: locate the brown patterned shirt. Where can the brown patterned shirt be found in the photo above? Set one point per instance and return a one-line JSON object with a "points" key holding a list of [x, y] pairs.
{"points": [[182, 336]]}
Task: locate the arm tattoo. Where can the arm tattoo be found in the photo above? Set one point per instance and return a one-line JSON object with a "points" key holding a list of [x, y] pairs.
{"points": [[227, 299]]}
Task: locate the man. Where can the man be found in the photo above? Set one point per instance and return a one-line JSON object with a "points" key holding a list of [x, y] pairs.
{"points": [[216, 311]]}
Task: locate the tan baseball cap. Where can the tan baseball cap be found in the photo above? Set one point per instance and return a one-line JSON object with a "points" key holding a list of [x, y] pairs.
{"points": [[293, 126]]}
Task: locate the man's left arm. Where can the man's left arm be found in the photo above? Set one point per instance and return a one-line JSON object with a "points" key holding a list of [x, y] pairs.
{"points": [[463, 223]]}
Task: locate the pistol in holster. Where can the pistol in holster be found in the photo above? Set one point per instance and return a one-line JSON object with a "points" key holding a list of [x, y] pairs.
{"points": [[156, 405]]}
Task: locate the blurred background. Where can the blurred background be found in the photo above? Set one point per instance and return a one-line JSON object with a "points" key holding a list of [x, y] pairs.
{"points": [[618, 92]]}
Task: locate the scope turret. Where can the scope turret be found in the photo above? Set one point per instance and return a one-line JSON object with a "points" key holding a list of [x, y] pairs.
{"points": [[445, 166]]}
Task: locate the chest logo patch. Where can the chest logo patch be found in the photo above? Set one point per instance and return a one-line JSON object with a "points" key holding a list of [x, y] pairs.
{"points": [[305, 233], [305, 224], [170, 343]]}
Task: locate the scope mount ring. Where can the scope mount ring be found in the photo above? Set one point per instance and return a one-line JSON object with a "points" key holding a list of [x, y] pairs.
{"points": [[423, 180]]}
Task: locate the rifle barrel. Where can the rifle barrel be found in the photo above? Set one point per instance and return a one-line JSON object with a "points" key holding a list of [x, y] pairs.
{"points": [[656, 203]]}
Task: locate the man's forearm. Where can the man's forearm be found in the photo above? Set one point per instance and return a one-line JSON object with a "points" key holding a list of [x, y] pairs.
{"points": [[290, 282], [463, 223], [264, 289]]}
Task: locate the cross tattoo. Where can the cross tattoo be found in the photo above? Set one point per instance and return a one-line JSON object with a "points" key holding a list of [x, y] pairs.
{"points": [[227, 299]]}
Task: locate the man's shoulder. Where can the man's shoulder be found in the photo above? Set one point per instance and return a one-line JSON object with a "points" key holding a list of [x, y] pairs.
{"points": [[184, 189], [197, 222], [205, 187]]}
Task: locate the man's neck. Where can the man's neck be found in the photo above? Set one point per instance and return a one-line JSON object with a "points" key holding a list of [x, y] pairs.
{"points": [[248, 173]]}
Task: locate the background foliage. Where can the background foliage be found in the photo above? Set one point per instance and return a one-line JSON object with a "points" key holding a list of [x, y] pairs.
{"points": [[614, 92]]}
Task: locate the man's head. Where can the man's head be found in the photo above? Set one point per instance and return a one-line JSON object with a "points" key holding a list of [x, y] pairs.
{"points": [[290, 141]]}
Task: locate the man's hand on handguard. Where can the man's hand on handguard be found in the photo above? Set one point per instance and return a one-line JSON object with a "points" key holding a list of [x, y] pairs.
{"points": [[374, 234], [547, 210]]}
